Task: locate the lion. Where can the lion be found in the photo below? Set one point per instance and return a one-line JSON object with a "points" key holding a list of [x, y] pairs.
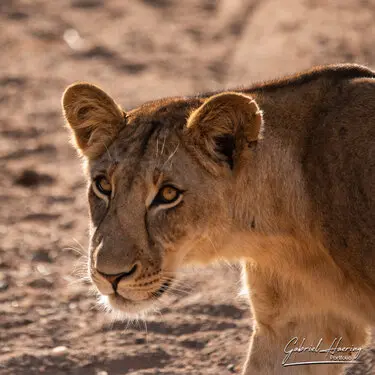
{"points": [[279, 176]]}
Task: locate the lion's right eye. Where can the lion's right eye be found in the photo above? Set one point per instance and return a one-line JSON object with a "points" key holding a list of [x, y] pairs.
{"points": [[103, 186], [167, 195]]}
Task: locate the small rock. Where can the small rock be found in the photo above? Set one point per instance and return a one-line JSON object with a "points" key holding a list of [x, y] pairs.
{"points": [[67, 224], [4, 282], [4, 264], [73, 39], [87, 3], [17, 15], [41, 255], [139, 340], [58, 350], [158, 3], [72, 306], [3, 285], [43, 270], [231, 367], [40, 283], [45, 34], [102, 373], [31, 178]]}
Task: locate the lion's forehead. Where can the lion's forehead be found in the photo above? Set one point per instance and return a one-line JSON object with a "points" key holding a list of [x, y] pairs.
{"points": [[149, 143], [163, 109]]}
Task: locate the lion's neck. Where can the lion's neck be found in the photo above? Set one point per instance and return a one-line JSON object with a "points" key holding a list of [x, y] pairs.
{"points": [[269, 195]]}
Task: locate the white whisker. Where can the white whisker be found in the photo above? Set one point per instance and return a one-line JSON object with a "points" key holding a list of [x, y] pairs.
{"points": [[77, 250], [162, 147], [108, 153], [171, 155]]}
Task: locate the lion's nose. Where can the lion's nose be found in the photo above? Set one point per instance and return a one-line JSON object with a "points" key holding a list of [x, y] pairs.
{"points": [[127, 275]]}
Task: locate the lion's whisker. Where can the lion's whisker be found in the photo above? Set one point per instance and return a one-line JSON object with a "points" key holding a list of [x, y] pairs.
{"points": [[77, 250]]}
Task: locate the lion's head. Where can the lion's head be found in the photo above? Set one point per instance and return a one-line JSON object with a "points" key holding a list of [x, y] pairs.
{"points": [[161, 180]]}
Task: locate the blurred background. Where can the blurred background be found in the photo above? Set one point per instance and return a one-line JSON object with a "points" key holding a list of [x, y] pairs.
{"points": [[136, 50]]}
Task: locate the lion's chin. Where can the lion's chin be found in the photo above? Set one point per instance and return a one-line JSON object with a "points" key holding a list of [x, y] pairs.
{"points": [[122, 307]]}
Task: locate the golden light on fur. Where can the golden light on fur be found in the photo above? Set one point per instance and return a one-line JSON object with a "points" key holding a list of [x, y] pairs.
{"points": [[226, 113], [299, 211], [229, 116], [94, 118]]}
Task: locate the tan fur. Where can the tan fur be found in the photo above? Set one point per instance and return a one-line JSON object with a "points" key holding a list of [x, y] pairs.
{"points": [[295, 203], [93, 116], [225, 113]]}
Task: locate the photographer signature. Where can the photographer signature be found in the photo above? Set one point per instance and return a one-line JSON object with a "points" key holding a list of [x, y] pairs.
{"points": [[335, 353]]}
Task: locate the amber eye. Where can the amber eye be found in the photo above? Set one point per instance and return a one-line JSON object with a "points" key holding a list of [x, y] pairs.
{"points": [[103, 185], [167, 194]]}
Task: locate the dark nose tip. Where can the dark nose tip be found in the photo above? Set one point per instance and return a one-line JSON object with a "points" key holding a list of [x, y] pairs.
{"points": [[115, 279]]}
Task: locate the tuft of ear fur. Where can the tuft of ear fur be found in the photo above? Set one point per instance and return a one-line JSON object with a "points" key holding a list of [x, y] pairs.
{"points": [[225, 124], [94, 118]]}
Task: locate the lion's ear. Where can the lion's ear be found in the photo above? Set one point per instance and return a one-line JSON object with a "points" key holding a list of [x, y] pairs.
{"points": [[94, 118], [224, 124]]}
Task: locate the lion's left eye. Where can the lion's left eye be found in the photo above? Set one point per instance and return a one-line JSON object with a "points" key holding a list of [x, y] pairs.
{"points": [[167, 194], [103, 185]]}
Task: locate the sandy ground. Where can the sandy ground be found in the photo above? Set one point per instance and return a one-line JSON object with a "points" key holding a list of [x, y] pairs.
{"points": [[137, 50]]}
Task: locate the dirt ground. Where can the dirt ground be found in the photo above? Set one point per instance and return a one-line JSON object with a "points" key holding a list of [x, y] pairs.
{"points": [[137, 50]]}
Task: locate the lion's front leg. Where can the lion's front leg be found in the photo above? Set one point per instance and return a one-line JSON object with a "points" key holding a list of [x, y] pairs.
{"points": [[290, 328], [270, 354]]}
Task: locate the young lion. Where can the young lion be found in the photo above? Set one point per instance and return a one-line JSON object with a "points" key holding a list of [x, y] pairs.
{"points": [[280, 175]]}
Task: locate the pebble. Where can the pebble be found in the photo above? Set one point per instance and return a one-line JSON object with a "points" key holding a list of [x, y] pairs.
{"points": [[40, 283], [41, 255], [43, 270], [231, 367], [72, 306], [31, 178], [87, 3], [3, 285], [58, 350], [73, 39]]}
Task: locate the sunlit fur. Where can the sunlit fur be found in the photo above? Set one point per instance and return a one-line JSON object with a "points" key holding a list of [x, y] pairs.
{"points": [[289, 191], [93, 116]]}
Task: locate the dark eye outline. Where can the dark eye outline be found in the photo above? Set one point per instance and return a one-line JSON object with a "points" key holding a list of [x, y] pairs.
{"points": [[100, 188], [160, 200]]}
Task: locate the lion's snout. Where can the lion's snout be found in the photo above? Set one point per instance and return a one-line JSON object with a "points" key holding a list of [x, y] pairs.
{"points": [[126, 276]]}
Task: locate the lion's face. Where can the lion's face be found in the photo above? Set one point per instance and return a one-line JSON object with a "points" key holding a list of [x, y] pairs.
{"points": [[159, 190], [151, 204]]}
